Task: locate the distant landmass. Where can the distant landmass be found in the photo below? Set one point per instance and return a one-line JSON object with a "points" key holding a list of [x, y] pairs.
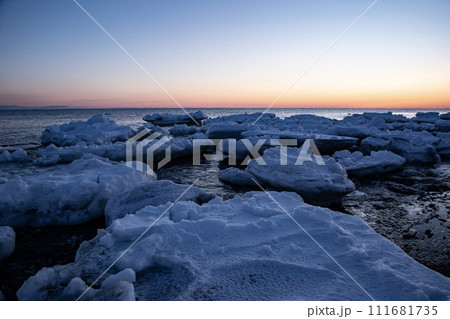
{"points": [[18, 107]]}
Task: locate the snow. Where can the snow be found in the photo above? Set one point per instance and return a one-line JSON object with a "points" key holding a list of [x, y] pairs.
{"points": [[7, 241], [97, 130], [68, 195], [376, 163], [151, 194], [167, 119], [246, 248], [318, 184], [235, 176]]}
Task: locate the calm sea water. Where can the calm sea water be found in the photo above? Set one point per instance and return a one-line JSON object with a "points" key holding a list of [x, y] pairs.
{"points": [[23, 128]]}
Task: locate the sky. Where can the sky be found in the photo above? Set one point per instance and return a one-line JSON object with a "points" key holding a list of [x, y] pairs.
{"points": [[225, 53]]}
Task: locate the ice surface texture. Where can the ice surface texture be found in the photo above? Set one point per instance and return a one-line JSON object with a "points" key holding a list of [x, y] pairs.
{"points": [[246, 248]]}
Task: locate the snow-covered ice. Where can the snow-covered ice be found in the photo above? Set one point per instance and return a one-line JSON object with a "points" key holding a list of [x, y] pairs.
{"points": [[318, 183], [7, 241], [235, 176], [246, 248], [97, 130], [151, 194], [413, 153], [376, 163], [71, 194], [19, 155], [6, 157]]}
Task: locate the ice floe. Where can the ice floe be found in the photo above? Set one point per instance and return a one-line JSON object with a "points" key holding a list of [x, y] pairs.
{"points": [[70, 194], [319, 180], [97, 130], [376, 163], [246, 248]]}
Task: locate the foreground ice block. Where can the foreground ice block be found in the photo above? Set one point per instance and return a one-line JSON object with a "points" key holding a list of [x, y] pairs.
{"points": [[245, 248], [71, 194], [318, 183]]}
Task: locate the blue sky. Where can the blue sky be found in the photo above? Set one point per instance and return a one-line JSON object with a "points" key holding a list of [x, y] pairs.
{"points": [[225, 53]]}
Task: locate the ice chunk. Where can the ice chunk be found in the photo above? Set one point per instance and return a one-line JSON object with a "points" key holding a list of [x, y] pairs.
{"points": [[154, 194], [322, 183], [246, 118], [20, 155], [52, 155], [96, 130], [250, 238], [327, 144], [416, 154], [6, 157], [426, 117], [68, 195], [182, 130], [443, 148], [125, 275], [235, 176], [374, 144], [7, 241], [442, 125], [167, 119], [377, 163], [226, 130]]}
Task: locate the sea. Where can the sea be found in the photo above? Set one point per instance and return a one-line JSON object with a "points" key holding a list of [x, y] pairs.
{"points": [[23, 128]]}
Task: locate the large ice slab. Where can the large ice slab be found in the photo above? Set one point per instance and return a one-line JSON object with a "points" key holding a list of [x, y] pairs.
{"points": [[71, 194], [376, 163], [97, 130], [246, 248], [151, 194], [323, 183]]}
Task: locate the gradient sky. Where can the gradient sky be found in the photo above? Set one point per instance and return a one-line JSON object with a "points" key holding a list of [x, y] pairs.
{"points": [[225, 53]]}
